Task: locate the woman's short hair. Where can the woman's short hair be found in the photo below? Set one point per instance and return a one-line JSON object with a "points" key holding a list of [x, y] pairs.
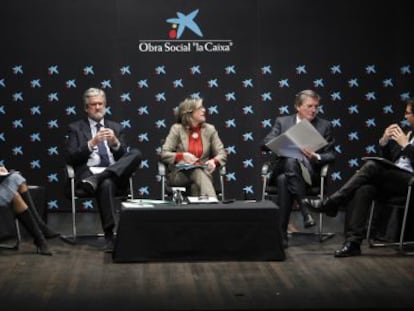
{"points": [[186, 108]]}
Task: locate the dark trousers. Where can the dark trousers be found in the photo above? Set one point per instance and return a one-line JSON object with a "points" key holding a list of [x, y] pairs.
{"points": [[290, 187], [373, 181], [113, 184]]}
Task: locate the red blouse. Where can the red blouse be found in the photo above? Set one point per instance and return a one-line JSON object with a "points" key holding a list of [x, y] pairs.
{"points": [[195, 144]]}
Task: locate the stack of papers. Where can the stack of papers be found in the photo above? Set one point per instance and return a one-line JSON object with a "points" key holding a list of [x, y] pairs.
{"points": [[141, 203], [196, 200], [186, 166]]}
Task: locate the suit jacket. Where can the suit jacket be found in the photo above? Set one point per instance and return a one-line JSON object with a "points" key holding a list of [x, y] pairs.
{"points": [[76, 148], [177, 141], [392, 151], [324, 127]]}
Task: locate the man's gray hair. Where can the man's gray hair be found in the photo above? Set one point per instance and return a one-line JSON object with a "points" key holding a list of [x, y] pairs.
{"points": [[93, 91]]}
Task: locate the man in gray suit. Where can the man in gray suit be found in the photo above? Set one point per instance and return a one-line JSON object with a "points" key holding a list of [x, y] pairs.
{"points": [[288, 173]]}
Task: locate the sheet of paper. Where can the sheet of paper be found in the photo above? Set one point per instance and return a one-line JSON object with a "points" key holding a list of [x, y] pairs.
{"points": [[302, 135]]}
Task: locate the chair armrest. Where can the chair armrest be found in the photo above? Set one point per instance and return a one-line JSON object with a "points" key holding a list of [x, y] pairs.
{"points": [[161, 168], [324, 170], [411, 182], [266, 169], [70, 171], [223, 170]]}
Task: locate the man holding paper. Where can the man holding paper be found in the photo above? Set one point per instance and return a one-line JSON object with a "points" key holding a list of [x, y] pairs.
{"points": [[301, 143]]}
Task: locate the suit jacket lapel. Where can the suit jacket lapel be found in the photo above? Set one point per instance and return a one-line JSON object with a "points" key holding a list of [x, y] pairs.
{"points": [[86, 130]]}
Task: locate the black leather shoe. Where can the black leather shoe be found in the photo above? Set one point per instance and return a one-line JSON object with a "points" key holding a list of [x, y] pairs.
{"points": [[285, 242], [315, 205], [308, 221], [90, 184], [320, 206], [348, 249], [109, 244]]}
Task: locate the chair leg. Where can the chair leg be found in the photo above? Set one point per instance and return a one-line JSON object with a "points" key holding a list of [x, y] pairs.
{"points": [[323, 236], [17, 240], [400, 244]]}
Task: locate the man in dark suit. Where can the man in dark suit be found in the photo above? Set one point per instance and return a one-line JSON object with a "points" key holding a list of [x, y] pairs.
{"points": [[374, 179], [289, 174], [102, 161]]}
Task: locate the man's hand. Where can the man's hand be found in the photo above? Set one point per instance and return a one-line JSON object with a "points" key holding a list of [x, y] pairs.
{"points": [[395, 133], [105, 134], [311, 155]]}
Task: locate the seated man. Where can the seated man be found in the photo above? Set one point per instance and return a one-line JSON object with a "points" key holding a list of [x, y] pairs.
{"points": [[290, 173], [373, 179], [102, 161]]}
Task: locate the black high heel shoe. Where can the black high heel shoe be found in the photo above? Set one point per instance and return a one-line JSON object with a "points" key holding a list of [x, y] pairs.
{"points": [[43, 249]]}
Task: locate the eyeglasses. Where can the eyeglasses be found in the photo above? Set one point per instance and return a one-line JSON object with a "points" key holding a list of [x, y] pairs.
{"points": [[407, 113]]}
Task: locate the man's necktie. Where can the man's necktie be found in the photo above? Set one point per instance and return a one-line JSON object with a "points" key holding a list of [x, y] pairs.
{"points": [[103, 153], [305, 168]]}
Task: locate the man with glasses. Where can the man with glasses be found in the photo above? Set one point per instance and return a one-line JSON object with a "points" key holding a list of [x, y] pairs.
{"points": [[376, 177], [101, 158]]}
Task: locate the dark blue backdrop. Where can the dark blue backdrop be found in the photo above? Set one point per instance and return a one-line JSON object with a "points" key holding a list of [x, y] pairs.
{"points": [[251, 58]]}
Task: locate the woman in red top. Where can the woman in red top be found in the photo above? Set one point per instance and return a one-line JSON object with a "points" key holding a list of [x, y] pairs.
{"points": [[193, 141]]}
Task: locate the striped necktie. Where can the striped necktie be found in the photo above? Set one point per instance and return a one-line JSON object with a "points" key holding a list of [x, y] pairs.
{"points": [[103, 153]]}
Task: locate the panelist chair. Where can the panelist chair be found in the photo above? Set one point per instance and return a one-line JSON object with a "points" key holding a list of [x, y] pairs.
{"points": [[11, 224], [399, 203], [166, 187], [75, 195], [269, 192]]}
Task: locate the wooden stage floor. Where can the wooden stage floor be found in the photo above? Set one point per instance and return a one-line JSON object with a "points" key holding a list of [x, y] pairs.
{"points": [[83, 277]]}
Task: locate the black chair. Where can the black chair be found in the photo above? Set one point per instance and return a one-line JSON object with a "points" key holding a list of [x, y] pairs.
{"points": [[78, 194], [166, 188], [10, 226], [269, 192], [399, 203]]}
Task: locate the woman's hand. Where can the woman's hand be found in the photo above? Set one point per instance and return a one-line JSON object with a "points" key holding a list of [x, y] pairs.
{"points": [[211, 165], [189, 158]]}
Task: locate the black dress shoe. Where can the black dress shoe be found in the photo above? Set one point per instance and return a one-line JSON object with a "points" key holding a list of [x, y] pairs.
{"points": [[315, 205], [308, 221], [90, 184], [109, 244], [348, 249], [321, 206], [285, 242]]}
